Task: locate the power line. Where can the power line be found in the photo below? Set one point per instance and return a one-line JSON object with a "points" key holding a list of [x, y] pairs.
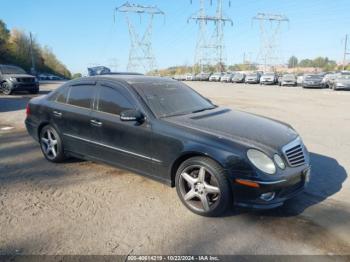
{"points": [[346, 52], [141, 57], [269, 36], [210, 50]]}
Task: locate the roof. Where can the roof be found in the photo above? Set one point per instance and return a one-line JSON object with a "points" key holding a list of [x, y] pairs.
{"points": [[132, 79]]}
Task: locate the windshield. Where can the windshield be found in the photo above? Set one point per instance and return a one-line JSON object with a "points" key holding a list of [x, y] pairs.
{"points": [[168, 98], [344, 77], [269, 74], [289, 77], [252, 75], [12, 70], [313, 77]]}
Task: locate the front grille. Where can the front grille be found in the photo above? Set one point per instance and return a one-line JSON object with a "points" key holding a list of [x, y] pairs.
{"points": [[25, 80], [294, 153]]}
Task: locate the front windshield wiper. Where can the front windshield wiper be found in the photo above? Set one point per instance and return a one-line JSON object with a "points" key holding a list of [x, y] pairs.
{"points": [[186, 113], [203, 109]]}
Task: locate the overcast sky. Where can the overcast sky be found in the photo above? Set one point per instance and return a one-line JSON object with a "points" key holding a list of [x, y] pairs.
{"points": [[83, 33]]}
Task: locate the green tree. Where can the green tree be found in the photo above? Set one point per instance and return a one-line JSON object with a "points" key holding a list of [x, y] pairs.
{"points": [[77, 75], [293, 62], [4, 38]]}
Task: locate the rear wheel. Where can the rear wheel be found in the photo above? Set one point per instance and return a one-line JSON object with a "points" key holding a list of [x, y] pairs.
{"points": [[202, 186], [6, 88], [51, 144]]}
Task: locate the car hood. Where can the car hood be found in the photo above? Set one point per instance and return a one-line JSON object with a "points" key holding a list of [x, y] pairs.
{"points": [[344, 81], [313, 80], [19, 75], [240, 127], [267, 77]]}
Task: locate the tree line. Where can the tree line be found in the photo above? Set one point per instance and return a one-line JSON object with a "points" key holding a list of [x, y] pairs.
{"points": [[15, 50], [319, 62]]}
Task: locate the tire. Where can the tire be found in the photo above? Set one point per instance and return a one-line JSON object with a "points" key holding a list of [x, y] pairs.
{"points": [[205, 185], [6, 88], [51, 145]]}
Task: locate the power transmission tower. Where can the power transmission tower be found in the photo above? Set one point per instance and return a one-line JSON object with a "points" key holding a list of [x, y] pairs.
{"points": [[270, 29], [32, 69], [210, 50], [346, 52], [141, 57]]}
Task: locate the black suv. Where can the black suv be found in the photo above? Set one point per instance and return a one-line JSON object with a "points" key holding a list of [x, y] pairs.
{"points": [[14, 78]]}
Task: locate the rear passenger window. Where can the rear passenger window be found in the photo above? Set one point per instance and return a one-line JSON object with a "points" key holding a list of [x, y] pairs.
{"points": [[113, 101], [81, 96], [61, 95]]}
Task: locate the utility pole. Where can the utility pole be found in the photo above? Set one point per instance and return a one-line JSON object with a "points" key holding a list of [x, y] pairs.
{"points": [[269, 36], [345, 51], [32, 70], [210, 49], [141, 57]]}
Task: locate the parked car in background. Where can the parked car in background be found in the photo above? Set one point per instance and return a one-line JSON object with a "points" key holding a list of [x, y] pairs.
{"points": [[342, 81], [288, 80], [214, 156], [268, 79], [300, 79], [328, 80], [14, 78], [252, 78], [226, 78], [216, 77], [203, 76], [313, 81], [238, 78], [190, 77]]}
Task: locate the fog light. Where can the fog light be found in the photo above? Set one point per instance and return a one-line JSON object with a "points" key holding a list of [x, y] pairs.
{"points": [[267, 196]]}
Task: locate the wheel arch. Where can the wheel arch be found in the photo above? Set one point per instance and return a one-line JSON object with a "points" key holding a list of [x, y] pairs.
{"points": [[185, 156], [40, 127]]}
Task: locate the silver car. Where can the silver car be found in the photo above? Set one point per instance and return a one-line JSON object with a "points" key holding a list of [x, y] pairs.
{"points": [[227, 77], [341, 82], [216, 77], [268, 79], [288, 80]]}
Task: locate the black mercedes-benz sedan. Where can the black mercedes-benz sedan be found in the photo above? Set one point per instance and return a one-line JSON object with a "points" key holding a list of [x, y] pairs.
{"points": [[162, 129]]}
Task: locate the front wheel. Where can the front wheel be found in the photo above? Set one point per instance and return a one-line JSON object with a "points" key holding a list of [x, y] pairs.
{"points": [[6, 88], [51, 144], [202, 186]]}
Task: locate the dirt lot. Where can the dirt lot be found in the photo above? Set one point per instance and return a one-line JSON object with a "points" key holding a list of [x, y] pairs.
{"points": [[87, 208]]}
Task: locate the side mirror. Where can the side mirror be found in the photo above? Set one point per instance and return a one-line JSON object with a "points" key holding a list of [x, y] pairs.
{"points": [[132, 115]]}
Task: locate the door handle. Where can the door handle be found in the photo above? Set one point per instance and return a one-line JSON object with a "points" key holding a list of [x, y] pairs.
{"points": [[57, 114], [95, 122]]}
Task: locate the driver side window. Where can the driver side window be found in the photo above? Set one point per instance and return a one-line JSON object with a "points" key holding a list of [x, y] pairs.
{"points": [[113, 101]]}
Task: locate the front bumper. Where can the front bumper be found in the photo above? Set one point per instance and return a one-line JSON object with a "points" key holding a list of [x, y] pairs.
{"points": [[267, 82], [21, 86], [289, 83], [315, 85], [252, 81], [284, 189]]}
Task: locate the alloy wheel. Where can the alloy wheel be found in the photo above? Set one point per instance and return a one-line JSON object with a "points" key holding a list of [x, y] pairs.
{"points": [[49, 144], [6, 89], [199, 188]]}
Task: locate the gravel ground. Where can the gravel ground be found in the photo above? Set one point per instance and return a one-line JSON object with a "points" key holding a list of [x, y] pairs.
{"points": [[81, 207]]}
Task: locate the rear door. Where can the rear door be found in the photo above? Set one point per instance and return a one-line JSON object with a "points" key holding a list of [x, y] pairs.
{"points": [[124, 143], [72, 114]]}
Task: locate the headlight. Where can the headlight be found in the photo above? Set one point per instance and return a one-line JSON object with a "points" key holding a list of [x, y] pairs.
{"points": [[261, 161], [279, 161], [13, 79]]}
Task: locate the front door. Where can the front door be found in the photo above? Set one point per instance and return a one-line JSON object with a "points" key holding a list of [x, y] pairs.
{"points": [[124, 143]]}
